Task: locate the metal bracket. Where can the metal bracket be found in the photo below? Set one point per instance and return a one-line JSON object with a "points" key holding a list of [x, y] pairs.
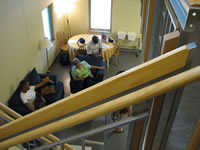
{"points": [[187, 15]]}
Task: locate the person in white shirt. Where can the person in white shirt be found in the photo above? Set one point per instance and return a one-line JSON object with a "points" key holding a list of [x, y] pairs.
{"points": [[28, 94], [94, 47]]}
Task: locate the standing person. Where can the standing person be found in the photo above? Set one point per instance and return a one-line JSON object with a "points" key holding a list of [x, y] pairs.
{"points": [[29, 97], [94, 47], [81, 71]]}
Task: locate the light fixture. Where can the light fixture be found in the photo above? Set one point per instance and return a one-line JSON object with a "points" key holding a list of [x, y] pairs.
{"points": [[65, 7], [46, 43]]}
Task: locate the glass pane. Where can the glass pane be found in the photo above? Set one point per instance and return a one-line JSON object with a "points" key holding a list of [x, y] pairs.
{"points": [[46, 23], [100, 14]]}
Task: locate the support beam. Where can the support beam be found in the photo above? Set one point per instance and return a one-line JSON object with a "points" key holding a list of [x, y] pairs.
{"points": [[170, 42], [137, 134], [144, 14], [149, 20]]}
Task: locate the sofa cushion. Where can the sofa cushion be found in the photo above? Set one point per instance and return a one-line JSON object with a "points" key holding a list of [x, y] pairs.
{"points": [[52, 77], [51, 98], [15, 99], [33, 77], [49, 89]]}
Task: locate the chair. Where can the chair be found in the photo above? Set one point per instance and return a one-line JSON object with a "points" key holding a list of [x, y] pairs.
{"points": [[117, 50], [61, 39], [82, 48], [76, 86]]}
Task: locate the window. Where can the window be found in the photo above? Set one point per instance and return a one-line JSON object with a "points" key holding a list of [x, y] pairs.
{"points": [[47, 19], [100, 14]]}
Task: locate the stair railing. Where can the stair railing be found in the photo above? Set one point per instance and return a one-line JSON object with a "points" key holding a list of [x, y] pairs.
{"points": [[132, 78], [9, 115], [138, 96]]}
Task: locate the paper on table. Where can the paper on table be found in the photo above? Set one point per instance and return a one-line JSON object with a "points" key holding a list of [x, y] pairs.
{"points": [[105, 46], [72, 41]]}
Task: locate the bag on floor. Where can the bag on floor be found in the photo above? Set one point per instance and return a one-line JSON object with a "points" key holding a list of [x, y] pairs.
{"points": [[64, 58]]}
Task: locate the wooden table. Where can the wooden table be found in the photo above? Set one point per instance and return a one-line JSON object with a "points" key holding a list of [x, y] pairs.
{"points": [[107, 49]]}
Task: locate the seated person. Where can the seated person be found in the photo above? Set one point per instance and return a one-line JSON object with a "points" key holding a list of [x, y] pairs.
{"points": [[30, 97], [94, 47], [81, 71]]}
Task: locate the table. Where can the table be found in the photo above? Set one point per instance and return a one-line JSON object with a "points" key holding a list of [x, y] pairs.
{"points": [[108, 48]]}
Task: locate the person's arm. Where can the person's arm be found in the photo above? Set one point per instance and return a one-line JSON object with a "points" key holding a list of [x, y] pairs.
{"points": [[96, 67], [45, 80], [100, 48], [29, 107], [75, 75]]}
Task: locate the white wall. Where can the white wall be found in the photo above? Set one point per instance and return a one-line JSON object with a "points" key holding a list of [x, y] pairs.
{"points": [[21, 30]]}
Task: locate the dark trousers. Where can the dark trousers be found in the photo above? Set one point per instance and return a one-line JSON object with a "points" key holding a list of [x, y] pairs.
{"points": [[88, 82], [39, 101]]}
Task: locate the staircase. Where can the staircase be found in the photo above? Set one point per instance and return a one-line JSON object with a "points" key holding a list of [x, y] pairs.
{"points": [[156, 79]]}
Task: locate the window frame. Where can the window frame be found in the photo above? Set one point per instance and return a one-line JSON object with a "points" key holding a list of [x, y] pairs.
{"points": [[99, 30], [51, 21]]}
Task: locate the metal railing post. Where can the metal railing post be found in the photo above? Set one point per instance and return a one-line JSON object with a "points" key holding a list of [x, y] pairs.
{"points": [[170, 107]]}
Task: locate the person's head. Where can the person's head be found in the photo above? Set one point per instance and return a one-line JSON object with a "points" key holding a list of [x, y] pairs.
{"points": [[95, 39], [76, 62], [24, 85]]}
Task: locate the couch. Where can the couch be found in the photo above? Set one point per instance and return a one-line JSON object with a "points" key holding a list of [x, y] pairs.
{"points": [[98, 74], [34, 77]]}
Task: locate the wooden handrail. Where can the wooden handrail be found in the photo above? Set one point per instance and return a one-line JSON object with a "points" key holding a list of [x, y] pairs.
{"points": [[11, 119], [5, 115], [194, 2], [134, 77], [9, 111], [138, 96], [195, 139], [16, 115]]}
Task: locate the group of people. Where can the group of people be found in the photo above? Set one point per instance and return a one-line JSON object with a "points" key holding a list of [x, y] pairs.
{"points": [[81, 71]]}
